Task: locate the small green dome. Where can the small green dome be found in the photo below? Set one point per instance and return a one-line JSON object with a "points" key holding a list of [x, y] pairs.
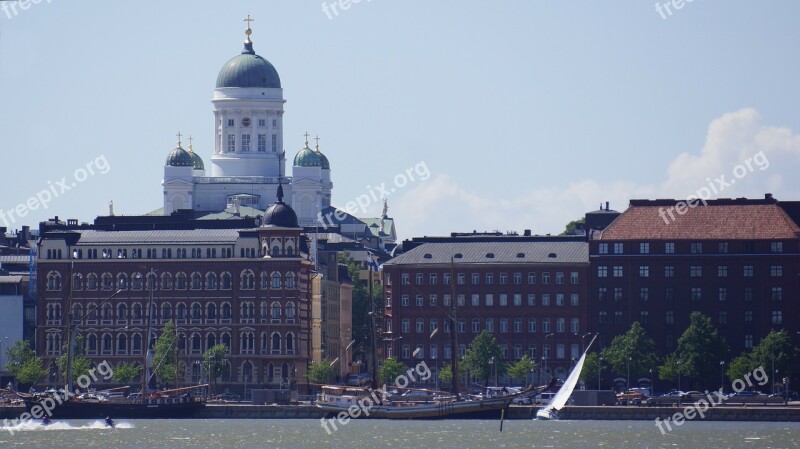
{"points": [[248, 70], [307, 157], [180, 158], [323, 160], [197, 161]]}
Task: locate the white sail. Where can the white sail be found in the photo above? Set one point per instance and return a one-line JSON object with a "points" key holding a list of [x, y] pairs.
{"points": [[563, 394]]}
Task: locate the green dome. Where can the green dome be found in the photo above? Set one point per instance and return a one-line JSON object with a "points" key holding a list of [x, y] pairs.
{"points": [[307, 158], [323, 160], [248, 70], [197, 161], [180, 158]]}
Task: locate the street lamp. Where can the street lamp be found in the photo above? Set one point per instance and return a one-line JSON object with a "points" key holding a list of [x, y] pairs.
{"points": [[599, 371], [494, 367], [679, 374], [628, 382], [722, 376]]}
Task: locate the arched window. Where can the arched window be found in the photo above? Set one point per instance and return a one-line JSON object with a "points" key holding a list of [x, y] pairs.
{"points": [[108, 345], [136, 311], [196, 310], [285, 373], [91, 344], [289, 280], [108, 312], [152, 281], [247, 372], [226, 281], [91, 281], [196, 343], [276, 312], [122, 344], [53, 281], [91, 310], [136, 345], [211, 311], [276, 251], [276, 343], [122, 281], [290, 343], [264, 311], [226, 311], [137, 281], [276, 280], [264, 280], [226, 340], [211, 341], [166, 312], [106, 281], [197, 281], [290, 312], [270, 373], [211, 281], [248, 280], [122, 312], [77, 282], [166, 281], [180, 311], [180, 281], [264, 343]]}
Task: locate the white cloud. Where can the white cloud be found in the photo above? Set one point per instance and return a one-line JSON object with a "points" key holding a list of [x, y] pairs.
{"points": [[440, 206]]}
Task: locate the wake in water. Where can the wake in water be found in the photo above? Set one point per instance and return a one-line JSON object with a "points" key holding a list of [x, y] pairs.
{"points": [[36, 425]]}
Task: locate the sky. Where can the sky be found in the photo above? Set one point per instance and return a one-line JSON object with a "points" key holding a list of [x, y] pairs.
{"points": [[506, 115]]}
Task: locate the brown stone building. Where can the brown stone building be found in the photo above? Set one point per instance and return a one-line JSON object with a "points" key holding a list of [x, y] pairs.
{"points": [[735, 260], [247, 288], [529, 292]]}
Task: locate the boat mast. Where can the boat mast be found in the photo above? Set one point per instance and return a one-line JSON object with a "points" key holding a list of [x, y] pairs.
{"points": [[453, 329], [147, 355], [70, 329]]}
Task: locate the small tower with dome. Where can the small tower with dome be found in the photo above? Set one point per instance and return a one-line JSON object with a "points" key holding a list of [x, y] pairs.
{"points": [[178, 182]]}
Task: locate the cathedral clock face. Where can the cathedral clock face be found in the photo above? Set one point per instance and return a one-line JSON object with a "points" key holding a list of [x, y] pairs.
{"points": [[246, 122]]}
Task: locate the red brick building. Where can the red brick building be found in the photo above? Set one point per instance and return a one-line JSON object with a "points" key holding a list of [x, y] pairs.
{"points": [[529, 292], [246, 288], [735, 260]]}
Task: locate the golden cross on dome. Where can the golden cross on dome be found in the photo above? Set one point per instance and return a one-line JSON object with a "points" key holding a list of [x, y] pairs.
{"points": [[306, 134], [248, 31], [190, 143], [179, 138], [317, 139]]}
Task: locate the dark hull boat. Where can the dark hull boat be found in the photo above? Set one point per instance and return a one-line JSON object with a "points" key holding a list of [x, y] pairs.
{"points": [[178, 407]]}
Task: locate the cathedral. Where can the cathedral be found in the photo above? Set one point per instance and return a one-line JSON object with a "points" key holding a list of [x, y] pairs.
{"points": [[248, 161]]}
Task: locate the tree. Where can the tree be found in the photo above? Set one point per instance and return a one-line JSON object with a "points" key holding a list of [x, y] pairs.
{"points": [[591, 367], [570, 228], [699, 351], [670, 369], [22, 363], [740, 366], [320, 372], [164, 357], [215, 361], [778, 344], [445, 374], [634, 350], [521, 369], [484, 356], [390, 369], [126, 372], [80, 364]]}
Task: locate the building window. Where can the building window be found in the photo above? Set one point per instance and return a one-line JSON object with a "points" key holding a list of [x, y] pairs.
{"points": [[517, 299], [546, 299], [618, 317], [776, 247], [602, 293], [419, 325], [618, 248], [644, 271], [476, 325], [446, 278], [573, 278], [489, 325], [546, 325], [274, 143], [245, 142], [696, 271], [230, 122], [723, 294], [748, 342], [777, 293], [748, 317], [617, 293], [476, 300], [476, 278], [419, 300], [722, 271], [696, 248], [545, 278], [574, 299], [644, 294], [531, 278], [601, 317], [419, 278], [532, 325], [617, 271], [262, 143], [722, 248], [644, 248], [518, 325], [461, 279], [405, 325], [669, 294], [669, 271], [432, 300], [776, 271], [669, 248], [262, 122], [231, 143], [602, 271], [643, 316], [602, 248], [748, 271], [446, 300], [560, 299], [432, 278], [531, 299], [722, 318], [489, 278], [503, 299], [748, 294], [517, 279], [574, 325], [559, 278], [460, 300], [503, 278], [404, 279], [670, 317], [697, 294]]}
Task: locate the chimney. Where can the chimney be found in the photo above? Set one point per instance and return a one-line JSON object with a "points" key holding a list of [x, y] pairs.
{"points": [[767, 196], [607, 205], [527, 233]]}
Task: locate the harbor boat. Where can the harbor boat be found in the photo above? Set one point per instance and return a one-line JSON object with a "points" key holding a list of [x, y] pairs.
{"points": [[363, 402], [550, 411]]}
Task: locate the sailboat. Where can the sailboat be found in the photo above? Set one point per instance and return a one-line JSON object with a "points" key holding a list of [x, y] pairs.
{"points": [[558, 402]]}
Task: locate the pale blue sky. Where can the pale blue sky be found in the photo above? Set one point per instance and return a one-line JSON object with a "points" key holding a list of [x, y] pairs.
{"points": [[527, 114]]}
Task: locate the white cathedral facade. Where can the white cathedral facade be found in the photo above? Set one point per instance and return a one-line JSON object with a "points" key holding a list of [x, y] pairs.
{"points": [[248, 162]]}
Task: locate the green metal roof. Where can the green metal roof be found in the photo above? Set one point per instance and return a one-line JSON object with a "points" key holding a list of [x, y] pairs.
{"points": [[197, 161], [326, 165], [307, 157], [180, 158], [248, 70]]}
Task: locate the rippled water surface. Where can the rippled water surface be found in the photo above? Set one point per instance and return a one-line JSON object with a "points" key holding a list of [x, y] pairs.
{"points": [[399, 434]]}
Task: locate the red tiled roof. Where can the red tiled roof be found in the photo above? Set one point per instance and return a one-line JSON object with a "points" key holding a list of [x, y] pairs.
{"points": [[711, 222]]}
